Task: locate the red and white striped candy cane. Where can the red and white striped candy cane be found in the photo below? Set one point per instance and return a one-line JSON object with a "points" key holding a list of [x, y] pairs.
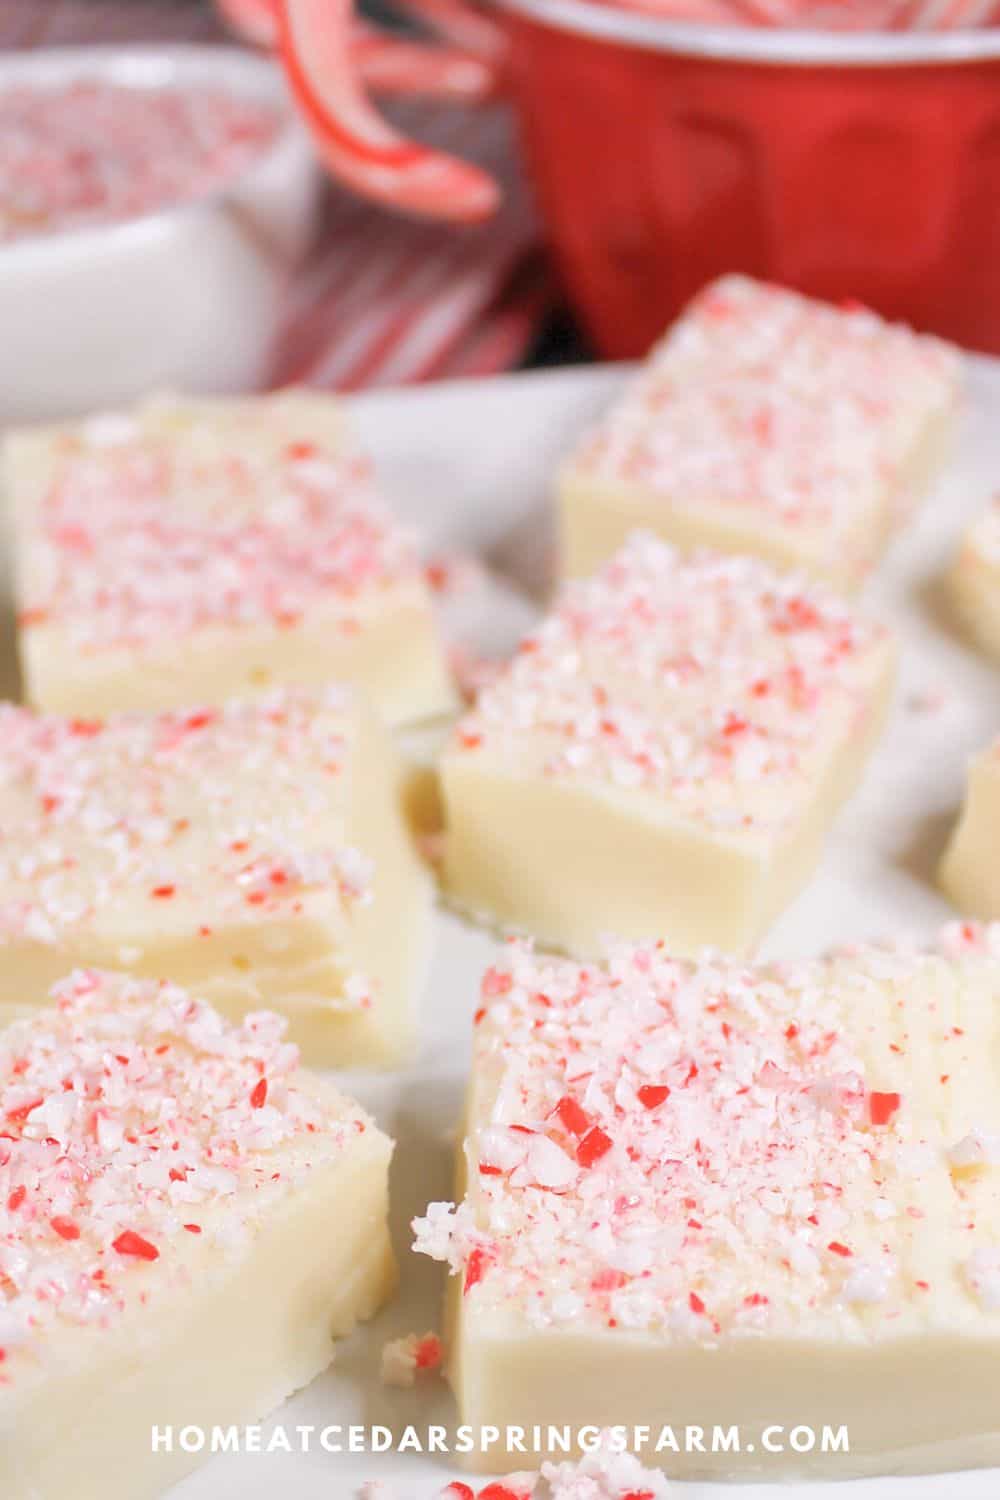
{"points": [[329, 57]]}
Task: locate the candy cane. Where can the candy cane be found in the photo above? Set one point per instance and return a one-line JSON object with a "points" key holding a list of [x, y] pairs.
{"points": [[392, 65], [355, 142], [470, 30]]}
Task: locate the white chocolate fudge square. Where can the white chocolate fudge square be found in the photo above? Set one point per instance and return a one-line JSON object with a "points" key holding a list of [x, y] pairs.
{"points": [[664, 755], [970, 870], [974, 581], [187, 1219], [256, 852], [713, 1194], [198, 551], [770, 424]]}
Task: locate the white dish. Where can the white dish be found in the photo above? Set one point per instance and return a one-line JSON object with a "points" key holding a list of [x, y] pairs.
{"points": [[188, 296], [472, 463]]}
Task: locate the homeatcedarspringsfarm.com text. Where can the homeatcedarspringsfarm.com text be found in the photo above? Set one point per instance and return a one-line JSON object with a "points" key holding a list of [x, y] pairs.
{"points": [[533, 1442]]}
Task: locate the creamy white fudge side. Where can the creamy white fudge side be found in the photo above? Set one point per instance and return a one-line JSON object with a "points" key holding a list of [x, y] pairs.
{"points": [[664, 755], [766, 423], [255, 851], [187, 1219], [197, 551], [970, 871], [974, 581], [711, 1193]]}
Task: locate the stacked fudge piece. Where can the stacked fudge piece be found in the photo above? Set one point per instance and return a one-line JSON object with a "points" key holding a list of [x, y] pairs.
{"points": [[255, 851]]}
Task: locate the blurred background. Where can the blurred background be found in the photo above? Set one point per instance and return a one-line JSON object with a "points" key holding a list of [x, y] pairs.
{"points": [[848, 148], [382, 300]]}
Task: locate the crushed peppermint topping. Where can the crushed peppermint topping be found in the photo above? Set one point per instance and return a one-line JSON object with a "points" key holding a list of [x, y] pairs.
{"points": [[114, 830], [606, 1472], [712, 681], [762, 401], [189, 516], [92, 152], [804, 1161], [404, 1359], [130, 1138]]}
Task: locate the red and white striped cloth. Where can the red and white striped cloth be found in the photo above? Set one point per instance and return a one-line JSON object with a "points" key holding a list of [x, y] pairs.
{"points": [[385, 300]]}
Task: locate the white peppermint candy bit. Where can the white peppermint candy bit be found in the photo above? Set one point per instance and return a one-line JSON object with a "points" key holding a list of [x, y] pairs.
{"points": [[982, 1276], [866, 1283], [979, 1148]]}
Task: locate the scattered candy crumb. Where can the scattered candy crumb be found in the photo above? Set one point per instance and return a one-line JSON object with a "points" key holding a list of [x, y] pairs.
{"points": [[603, 1474], [404, 1359]]}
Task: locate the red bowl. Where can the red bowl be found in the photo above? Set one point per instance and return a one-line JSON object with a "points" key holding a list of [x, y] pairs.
{"points": [[849, 166]]}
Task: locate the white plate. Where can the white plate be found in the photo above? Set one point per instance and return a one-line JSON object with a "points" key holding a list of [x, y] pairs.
{"points": [[472, 463]]}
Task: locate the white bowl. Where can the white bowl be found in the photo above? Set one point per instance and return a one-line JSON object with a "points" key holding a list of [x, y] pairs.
{"points": [[188, 296]]}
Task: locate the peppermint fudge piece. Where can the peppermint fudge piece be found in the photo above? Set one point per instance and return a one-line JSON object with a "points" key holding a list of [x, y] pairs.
{"points": [[186, 1220], [255, 851], [970, 874], [708, 1194], [974, 582], [664, 755], [766, 423], [198, 551]]}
